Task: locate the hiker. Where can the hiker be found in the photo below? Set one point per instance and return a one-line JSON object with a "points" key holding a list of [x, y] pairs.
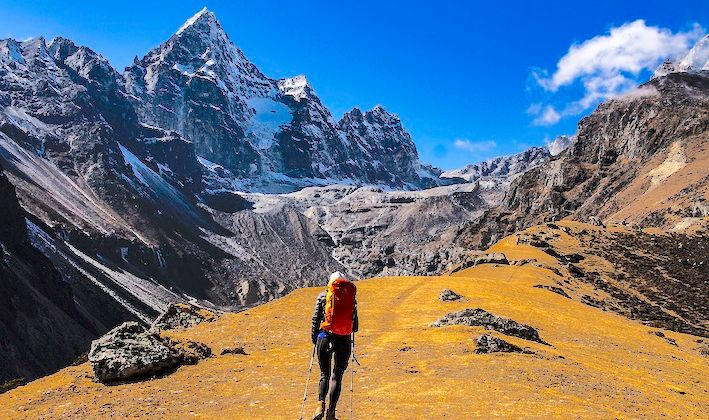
{"points": [[334, 322]]}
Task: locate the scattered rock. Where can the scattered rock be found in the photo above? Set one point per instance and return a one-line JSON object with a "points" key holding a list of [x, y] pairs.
{"points": [[233, 350], [406, 348], [591, 301], [447, 295], [596, 221], [557, 290], [480, 317], [575, 271], [490, 344], [181, 315], [565, 258], [129, 352], [664, 337], [190, 352]]}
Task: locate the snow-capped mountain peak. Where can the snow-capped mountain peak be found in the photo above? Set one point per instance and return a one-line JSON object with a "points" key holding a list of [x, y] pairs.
{"points": [[200, 84], [698, 57], [294, 87], [204, 16], [696, 61]]}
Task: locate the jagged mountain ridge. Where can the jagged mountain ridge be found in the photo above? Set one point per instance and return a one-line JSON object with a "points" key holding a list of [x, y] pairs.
{"points": [[696, 61], [264, 131], [639, 159], [503, 167]]}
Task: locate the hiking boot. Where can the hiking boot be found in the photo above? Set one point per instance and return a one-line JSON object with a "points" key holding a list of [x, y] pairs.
{"points": [[320, 412], [330, 415]]}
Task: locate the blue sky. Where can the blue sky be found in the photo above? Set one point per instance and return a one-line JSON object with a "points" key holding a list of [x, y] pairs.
{"points": [[469, 80]]}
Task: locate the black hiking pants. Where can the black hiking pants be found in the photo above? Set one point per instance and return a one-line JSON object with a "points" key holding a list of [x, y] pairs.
{"points": [[332, 347]]}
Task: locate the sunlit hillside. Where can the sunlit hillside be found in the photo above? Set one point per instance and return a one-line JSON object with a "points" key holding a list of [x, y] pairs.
{"points": [[598, 364]]}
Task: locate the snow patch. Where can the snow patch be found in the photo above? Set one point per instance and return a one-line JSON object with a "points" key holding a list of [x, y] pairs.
{"points": [[269, 116], [191, 21], [294, 86]]}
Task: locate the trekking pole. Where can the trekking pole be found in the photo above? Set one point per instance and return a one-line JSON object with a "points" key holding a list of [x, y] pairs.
{"points": [[352, 375], [307, 382]]}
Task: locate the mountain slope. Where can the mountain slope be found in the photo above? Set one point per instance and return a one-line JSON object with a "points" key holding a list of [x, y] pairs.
{"points": [[35, 303], [639, 159], [271, 135], [410, 369]]}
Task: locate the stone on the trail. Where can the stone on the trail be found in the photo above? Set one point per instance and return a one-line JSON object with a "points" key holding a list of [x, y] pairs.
{"points": [[181, 315], [479, 317], [487, 343], [447, 295], [129, 352], [233, 350]]}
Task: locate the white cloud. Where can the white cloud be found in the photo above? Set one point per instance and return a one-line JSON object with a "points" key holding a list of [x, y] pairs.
{"points": [[609, 65], [474, 146], [544, 114]]}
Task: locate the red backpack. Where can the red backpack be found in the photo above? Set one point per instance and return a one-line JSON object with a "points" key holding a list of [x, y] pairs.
{"points": [[339, 307]]}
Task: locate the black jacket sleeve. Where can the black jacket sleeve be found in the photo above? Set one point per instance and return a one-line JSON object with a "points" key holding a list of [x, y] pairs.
{"points": [[318, 314]]}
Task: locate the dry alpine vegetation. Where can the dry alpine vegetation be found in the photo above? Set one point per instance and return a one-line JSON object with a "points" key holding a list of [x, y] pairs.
{"points": [[596, 363], [203, 238]]}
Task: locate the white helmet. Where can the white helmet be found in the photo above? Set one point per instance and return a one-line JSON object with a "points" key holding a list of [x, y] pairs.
{"points": [[336, 276]]}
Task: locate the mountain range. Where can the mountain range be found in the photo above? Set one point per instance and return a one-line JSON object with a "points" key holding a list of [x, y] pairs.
{"points": [[193, 177]]}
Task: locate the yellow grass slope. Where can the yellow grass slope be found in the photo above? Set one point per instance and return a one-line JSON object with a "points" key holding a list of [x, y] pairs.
{"points": [[599, 365]]}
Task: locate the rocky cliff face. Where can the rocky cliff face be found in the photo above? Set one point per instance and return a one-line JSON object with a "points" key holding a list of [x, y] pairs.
{"points": [[40, 326], [268, 134], [638, 159]]}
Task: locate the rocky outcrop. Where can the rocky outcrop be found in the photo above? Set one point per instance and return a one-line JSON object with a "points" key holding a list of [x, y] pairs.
{"points": [[447, 295], [487, 343], [489, 258], [130, 352], [481, 318], [181, 315], [555, 289]]}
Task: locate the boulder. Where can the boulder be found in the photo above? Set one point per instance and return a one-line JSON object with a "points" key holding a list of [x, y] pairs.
{"points": [[480, 317], [491, 258], [129, 352], [487, 343], [181, 315], [447, 295]]}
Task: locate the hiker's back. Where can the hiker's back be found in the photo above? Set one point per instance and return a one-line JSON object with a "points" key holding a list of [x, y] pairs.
{"points": [[340, 307]]}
